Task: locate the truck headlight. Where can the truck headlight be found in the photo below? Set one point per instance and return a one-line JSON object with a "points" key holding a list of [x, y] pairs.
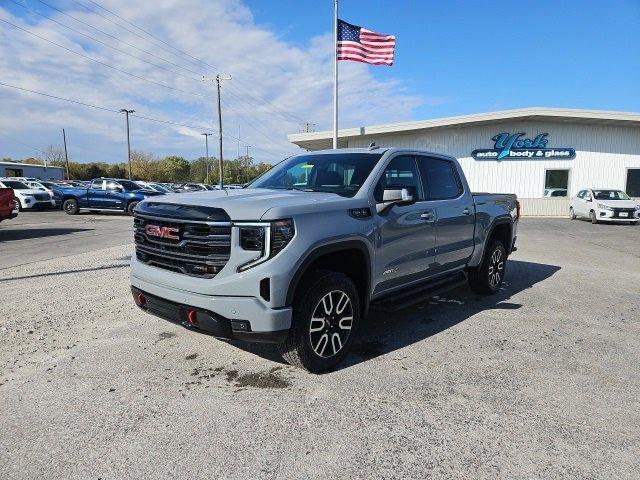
{"points": [[268, 238], [604, 207]]}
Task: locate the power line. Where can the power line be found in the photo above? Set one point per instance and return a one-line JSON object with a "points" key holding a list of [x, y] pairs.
{"points": [[247, 93], [164, 85], [157, 120], [22, 143], [108, 45], [133, 32]]}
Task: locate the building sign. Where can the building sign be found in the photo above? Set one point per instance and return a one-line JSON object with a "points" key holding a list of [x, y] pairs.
{"points": [[514, 146]]}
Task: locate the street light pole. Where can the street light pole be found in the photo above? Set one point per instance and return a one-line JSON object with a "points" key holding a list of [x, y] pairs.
{"points": [[127, 112], [206, 146]]}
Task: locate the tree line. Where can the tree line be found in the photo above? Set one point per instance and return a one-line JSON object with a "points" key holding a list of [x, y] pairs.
{"points": [[148, 167]]}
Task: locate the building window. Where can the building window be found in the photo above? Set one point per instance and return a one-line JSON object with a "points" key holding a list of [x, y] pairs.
{"points": [[556, 183], [13, 172], [633, 182]]}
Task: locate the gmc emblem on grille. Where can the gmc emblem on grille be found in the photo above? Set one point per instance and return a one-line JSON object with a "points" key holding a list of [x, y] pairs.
{"points": [[163, 232]]}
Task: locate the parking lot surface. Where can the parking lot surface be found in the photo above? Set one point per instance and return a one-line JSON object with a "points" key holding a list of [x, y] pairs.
{"points": [[538, 381]]}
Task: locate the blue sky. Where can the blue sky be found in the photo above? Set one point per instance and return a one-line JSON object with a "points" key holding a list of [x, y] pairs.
{"points": [[482, 56], [452, 58]]}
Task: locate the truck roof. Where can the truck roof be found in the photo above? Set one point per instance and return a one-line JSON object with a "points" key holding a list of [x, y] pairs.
{"points": [[377, 151]]}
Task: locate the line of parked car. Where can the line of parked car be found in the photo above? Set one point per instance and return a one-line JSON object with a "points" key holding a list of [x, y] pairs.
{"points": [[24, 193]]}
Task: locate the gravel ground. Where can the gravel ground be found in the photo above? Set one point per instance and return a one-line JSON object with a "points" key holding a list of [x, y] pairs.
{"points": [[539, 381]]}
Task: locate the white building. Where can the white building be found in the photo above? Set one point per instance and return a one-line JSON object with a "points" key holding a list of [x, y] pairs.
{"points": [[531, 152]]}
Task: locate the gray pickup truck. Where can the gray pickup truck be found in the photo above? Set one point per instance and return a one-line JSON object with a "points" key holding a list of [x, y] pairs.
{"points": [[298, 257]]}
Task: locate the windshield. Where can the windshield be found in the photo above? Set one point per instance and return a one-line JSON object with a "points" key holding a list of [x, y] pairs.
{"points": [[15, 185], [162, 188], [342, 174], [610, 195], [129, 185]]}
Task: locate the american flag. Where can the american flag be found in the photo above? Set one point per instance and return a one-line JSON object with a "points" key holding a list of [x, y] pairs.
{"points": [[361, 45]]}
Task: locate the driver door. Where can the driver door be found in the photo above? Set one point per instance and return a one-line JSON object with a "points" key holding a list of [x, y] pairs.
{"points": [[406, 233]]}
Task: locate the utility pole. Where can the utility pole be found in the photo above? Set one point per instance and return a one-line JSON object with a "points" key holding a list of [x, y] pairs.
{"points": [[247, 147], [206, 146], [127, 112], [220, 164], [66, 155]]}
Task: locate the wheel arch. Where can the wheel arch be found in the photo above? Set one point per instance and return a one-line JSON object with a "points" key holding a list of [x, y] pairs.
{"points": [[332, 256], [504, 227]]}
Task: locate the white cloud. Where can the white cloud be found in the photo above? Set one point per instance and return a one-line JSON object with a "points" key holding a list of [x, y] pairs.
{"points": [[295, 80]]}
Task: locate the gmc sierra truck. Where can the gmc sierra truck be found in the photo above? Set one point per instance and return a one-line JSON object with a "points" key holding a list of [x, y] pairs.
{"points": [[104, 194], [298, 257]]}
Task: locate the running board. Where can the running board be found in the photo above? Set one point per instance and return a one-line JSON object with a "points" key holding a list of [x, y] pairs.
{"points": [[420, 293]]}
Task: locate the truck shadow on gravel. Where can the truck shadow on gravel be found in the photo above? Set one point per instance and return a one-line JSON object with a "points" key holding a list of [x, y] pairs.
{"points": [[382, 333], [29, 233]]}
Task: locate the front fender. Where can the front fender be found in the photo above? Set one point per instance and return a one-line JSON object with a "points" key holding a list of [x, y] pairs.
{"points": [[334, 245]]}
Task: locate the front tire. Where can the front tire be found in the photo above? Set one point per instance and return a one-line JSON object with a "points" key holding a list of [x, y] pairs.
{"points": [[572, 214], [17, 201], [326, 313], [131, 207], [71, 207], [592, 217], [488, 277]]}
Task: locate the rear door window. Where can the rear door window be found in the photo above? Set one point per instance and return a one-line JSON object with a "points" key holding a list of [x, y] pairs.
{"points": [[440, 177]]}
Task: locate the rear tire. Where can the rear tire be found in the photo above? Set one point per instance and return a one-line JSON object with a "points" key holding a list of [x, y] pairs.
{"points": [[131, 207], [326, 314], [572, 214], [71, 207], [592, 217], [488, 277]]}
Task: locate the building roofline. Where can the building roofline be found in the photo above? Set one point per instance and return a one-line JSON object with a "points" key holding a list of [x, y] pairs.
{"points": [[315, 140], [29, 165]]}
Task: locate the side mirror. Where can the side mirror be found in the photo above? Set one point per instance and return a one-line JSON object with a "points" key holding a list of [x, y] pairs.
{"points": [[395, 196]]}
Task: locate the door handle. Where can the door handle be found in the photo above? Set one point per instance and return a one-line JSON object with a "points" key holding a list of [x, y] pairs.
{"points": [[427, 216], [466, 211]]}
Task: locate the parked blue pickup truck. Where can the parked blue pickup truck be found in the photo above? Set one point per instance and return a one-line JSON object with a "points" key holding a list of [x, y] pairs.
{"points": [[104, 194]]}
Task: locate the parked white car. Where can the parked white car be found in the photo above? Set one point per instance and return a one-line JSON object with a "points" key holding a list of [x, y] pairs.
{"points": [[28, 197], [604, 205]]}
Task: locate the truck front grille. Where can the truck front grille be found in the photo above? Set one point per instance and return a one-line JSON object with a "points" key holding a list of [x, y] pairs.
{"points": [[196, 248]]}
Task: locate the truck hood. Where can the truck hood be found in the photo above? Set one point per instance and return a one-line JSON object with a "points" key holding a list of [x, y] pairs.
{"points": [[618, 203], [260, 203]]}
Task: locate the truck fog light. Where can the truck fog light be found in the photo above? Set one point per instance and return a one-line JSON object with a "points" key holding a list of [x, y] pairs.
{"points": [[141, 300], [192, 316]]}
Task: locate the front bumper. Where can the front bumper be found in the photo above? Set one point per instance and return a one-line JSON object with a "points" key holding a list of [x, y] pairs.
{"points": [[614, 216], [244, 318], [39, 204]]}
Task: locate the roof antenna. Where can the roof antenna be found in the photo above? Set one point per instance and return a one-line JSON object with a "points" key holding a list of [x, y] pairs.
{"points": [[373, 146]]}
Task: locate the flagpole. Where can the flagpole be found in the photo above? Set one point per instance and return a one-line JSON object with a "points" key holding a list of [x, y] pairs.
{"points": [[335, 74]]}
